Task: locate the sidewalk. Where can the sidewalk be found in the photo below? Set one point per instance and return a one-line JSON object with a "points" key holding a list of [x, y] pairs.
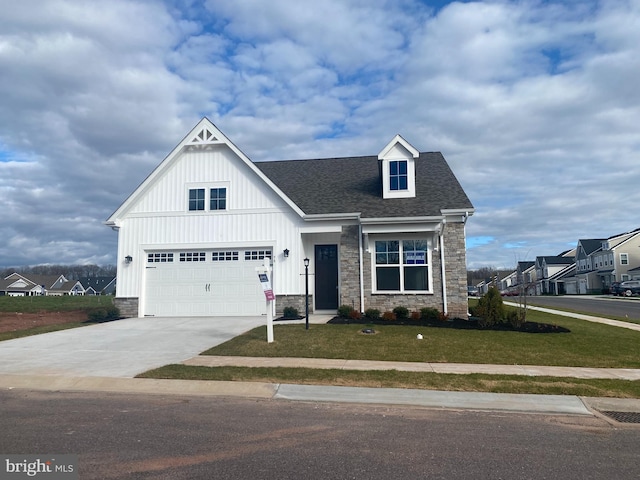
{"points": [[456, 368]]}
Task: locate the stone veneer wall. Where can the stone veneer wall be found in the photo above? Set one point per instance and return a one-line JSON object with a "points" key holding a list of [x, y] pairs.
{"points": [[128, 306], [456, 277], [350, 267], [295, 301]]}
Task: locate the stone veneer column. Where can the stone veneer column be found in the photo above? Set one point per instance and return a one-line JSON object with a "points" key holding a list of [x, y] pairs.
{"points": [[456, 269], [350, 267]]}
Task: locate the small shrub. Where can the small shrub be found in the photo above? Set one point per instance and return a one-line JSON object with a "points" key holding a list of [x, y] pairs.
{"points": [[430, 313], [443, 317], [372, 313], [344, 310], [516, 318], [490, 308], [401, 312], [290, 312], [389, 316], [103, 314], [415, 315], [355, 314]]}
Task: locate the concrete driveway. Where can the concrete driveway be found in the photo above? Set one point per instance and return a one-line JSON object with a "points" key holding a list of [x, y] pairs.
{"points": [[123, 348]]}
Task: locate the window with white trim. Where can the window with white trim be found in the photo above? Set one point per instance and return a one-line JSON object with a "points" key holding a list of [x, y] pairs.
{"points": [[196, 199], [218, 199], [398, 175], [401, 266], [624, 259]]}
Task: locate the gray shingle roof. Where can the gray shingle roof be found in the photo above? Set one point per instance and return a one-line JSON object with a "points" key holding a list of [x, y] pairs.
{"points": [[354, 184]]}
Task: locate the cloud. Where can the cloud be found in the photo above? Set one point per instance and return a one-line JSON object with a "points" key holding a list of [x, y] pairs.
{"points": [[534, 104]]}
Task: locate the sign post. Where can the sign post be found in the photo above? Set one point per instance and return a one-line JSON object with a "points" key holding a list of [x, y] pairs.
{"points": [[263, 276]]}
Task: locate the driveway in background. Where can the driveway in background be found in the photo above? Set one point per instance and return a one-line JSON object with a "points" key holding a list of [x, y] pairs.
{"points": [[123, 348]]}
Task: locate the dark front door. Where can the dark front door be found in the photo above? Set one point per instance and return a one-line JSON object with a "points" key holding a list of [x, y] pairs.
{"points": [[326, 277]]}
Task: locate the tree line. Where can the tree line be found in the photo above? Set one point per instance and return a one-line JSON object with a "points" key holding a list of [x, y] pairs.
{"points": [[71, 272]]}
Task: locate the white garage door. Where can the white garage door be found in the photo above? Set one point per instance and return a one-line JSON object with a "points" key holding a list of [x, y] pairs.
{"points": [[205, 283]]}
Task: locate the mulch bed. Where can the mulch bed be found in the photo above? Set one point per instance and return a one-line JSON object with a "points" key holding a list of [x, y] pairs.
{"points": [[455, 323]]}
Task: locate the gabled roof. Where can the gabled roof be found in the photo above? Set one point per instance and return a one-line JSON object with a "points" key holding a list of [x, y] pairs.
{"points": [[554, 260], [591, 245], [98, 284], [354, 184]]}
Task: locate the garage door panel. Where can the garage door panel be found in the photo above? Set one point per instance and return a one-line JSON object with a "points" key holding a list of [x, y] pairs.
{"points": [[204, 288]]}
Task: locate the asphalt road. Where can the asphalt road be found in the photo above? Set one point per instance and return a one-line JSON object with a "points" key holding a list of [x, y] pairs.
{"points": [[189, 437], [591, 305]]}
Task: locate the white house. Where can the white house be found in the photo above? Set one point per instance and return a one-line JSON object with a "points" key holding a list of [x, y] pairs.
{"points": [[379, 231]]}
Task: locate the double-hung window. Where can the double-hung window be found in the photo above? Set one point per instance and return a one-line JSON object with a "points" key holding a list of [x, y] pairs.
{"points": [[398, 179], [401, 266], [196, 199]]}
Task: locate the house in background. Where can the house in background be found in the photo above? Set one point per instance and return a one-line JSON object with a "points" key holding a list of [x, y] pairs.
{"points": [[620, 255], [19, 285], [98, 285], [550, 269], [378, 231], [586, 279]]}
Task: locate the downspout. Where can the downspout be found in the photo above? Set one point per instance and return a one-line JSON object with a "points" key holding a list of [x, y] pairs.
{"points": [[445, 309], [362, 309]]}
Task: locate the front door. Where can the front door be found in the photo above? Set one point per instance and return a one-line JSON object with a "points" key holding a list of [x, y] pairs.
{"points": [[326, 277]]}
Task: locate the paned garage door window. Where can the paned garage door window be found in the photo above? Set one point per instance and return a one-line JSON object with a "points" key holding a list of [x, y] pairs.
{"points": [[193, 256], [224, 256], [160, 258], [257, 254]]}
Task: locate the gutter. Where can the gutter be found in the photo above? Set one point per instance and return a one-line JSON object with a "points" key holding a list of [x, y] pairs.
{"points": [[445, 309]]}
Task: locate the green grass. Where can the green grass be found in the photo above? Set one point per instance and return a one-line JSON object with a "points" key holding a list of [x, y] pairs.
{"points": [[588, 345], [397, 379], [53, 304]]}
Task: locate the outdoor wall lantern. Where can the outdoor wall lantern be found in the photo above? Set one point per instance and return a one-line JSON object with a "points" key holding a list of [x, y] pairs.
{"points": [[128, 259], [286, 253]]}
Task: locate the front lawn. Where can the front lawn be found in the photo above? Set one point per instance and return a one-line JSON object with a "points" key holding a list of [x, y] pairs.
{"points": [[587, 345]]}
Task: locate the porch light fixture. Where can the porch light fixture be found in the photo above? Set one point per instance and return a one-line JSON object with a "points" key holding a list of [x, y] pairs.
{"points": [[286, 253], [128, 259]]}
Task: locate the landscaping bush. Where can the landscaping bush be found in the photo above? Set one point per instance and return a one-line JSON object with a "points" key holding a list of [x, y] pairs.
{"points": [[103, 314], [430, 313], [401, 312], [490, 308], [389, 316], [290, 312], [344, 310], [355, 314], [415, 315], [372, 313]]}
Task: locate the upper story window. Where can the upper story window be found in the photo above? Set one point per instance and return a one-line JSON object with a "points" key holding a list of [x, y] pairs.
{"points": [[206, 198], [196, 199], [624, 259], [398, 179], [218, 199]]}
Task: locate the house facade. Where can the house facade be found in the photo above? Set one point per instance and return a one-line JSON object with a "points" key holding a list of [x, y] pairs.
{"points": [[378, 231], [18, 285], [619, 256]]}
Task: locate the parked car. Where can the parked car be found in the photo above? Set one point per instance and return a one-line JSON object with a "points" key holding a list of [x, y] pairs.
{"points": [[614, 289], [472, 291], [632, 287]]}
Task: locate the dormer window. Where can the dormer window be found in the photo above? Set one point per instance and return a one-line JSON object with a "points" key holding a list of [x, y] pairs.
{"points": [[398, 169], [398, 179]]}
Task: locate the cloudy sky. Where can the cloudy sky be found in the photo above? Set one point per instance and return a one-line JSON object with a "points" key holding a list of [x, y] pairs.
{"points": [[535, 104]]}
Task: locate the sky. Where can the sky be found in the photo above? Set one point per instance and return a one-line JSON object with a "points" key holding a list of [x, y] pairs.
{"points": [[535, 105]]}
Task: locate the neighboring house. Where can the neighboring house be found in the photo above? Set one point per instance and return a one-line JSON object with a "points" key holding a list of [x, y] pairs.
{"points": [[549, 269], [18, 285], [379, 231], [619, 258], [98, 285], [586, 278], [71, 287]]}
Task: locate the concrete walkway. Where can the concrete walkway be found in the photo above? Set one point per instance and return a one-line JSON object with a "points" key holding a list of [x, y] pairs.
{"points": [[456, 368]]}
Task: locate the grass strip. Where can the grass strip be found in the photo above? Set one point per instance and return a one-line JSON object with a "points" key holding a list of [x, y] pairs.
{"points": [[397, 379], [52, 303]]}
